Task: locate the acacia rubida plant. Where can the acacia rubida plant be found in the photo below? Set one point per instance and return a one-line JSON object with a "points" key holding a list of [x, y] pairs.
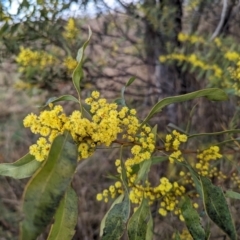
{"points": [[65, 140]]}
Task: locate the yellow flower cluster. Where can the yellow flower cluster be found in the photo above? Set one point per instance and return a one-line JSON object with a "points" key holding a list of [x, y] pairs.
{"points": [[191, 38], [107, 122], [71, 30], [111, 192], [70, 63], [168, 193], [232, 56], [218, 42], [145, 143], [203, 165], [172, 142], [194, 60], [185, 235], [48, 124], [235, 74], [29, 58]]}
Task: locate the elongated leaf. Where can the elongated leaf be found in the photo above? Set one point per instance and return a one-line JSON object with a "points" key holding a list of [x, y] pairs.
{"points": [[173, 126], [46, 188], [195, 178], [59, 99], [215, 133], [137, 225], [154, 131], [124, 173], [78, 72], [116, 220], [149, 234], [192, 220], [103, 222], [143, 171], [120, 102], [232, 194], [158, 159], [177, 236], [217, 208], [213, 94], [22, 168], [130, 81], [65, 218]]}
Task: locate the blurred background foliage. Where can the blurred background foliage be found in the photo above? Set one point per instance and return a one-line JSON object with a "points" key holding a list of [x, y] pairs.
{"points": [[171, 47]]}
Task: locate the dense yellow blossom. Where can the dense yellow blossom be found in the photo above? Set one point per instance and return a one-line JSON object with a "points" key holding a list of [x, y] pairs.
{"points": [[30, 58], [232, 56], [71, 31], [106, 123], [70, 63], [191, 38], [184, 235], [194, 61], [172, 142], [204, 158]]}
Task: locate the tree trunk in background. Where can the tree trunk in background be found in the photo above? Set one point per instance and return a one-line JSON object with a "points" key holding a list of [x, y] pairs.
{"points": [[158, 35]]}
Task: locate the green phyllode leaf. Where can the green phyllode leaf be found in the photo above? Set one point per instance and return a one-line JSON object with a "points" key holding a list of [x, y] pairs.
{"points": [[129, 82], [47, 187], [59, 99], [232, 194], [195, 178], [78, 72], [217, 208], [215, 133], [116, 220], [103, 222], [149, 234], [143, 171], [213, 94], [138, 223], [65, 217], [22, 168], [158, 159], [192, 220]]}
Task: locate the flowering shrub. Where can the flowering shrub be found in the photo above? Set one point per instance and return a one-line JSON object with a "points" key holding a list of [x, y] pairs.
{"points": [[38, 68], [209, 59], [65, 140]]}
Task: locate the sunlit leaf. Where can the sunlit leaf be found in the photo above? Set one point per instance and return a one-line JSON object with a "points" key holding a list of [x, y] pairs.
{"points": [[137, 224], [78, 72], [158, 159], [232, 194], [192, 220], [22, 168], [103, 222], [130, 81], [46, 188], [143, 171], [217, 208], [116, 220], [195, 178], [65, 218], [149, 234], [214, 133], [59, 99], [213, 94]]}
